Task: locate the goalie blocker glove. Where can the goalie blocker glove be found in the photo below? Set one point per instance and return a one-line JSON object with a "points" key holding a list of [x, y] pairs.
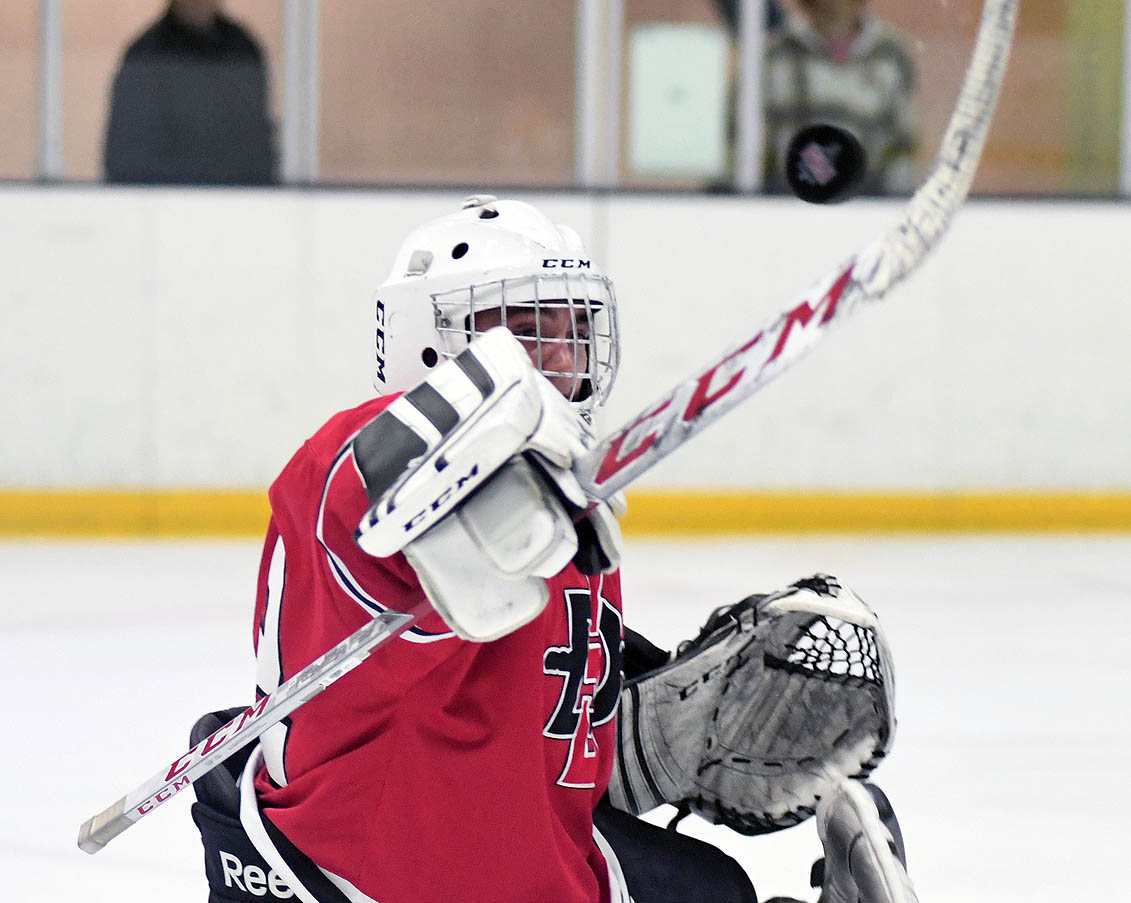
{"points": [[776, 701], [468, 474]]}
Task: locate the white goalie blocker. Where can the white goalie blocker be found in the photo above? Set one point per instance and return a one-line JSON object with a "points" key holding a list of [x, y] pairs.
{"points": [[470, 472], [468, 475], [777, 701]]}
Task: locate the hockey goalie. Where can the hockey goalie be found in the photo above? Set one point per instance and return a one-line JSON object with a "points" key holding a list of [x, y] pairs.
{"points": [[504, 747]]}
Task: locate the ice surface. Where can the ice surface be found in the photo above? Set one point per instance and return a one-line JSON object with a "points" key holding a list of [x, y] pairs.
{"points": [[1013, 657]]}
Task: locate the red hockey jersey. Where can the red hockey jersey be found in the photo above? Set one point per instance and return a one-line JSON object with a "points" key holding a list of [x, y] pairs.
{"points": [[439, 769]]}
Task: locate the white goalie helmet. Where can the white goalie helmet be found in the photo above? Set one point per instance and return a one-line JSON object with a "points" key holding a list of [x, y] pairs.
{"points": [[495, 255]]}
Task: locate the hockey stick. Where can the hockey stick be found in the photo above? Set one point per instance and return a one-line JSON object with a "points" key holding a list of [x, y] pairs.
{"points": [[703, 398], [671, 421], [96, 832]]}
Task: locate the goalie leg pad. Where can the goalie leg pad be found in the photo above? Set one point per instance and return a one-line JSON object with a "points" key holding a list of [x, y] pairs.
{"points": [[777, 700], [864, 857]]}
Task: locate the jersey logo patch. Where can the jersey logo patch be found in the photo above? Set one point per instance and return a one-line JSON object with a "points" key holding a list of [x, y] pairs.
{"points": [[590, 669]]}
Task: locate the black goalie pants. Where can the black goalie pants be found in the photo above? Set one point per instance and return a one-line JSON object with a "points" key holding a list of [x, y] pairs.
{"points": [[659, 865]]}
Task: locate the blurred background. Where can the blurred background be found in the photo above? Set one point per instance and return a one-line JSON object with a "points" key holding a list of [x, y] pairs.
{"points": [[565, 94]]}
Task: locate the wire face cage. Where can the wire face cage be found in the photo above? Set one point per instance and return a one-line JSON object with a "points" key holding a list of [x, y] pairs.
{"points": [[567, 323]]}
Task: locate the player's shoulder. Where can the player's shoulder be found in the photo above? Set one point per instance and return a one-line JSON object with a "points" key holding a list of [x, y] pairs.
{"points": [[330, 440], [344, 425]]}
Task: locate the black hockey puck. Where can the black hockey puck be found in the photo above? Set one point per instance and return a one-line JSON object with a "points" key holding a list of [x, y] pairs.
{"points": [[824, 164]]}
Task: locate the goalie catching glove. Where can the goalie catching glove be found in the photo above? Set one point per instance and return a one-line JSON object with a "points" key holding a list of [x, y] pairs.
{"points": [[468, 474], [776, 701]]}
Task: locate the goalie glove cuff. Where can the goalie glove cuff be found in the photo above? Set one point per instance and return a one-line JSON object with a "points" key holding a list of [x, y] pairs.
{"points": [[598, 533]]}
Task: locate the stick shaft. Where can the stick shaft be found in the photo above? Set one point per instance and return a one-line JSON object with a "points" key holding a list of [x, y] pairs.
{"points": [[99, 830], [746, 368]]}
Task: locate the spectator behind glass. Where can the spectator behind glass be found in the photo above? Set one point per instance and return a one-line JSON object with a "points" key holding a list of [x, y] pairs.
{"points": [[838, 64], [774, 15], [190, 103]]}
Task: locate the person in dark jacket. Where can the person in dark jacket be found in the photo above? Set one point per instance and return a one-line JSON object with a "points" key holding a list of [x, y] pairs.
{"points": [[190, 103]]}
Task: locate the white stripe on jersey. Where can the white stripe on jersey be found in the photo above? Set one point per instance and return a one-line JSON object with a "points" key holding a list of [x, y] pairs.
{"points": [[268, 667], [618, 887], [268, 664], [251, 820], [257, 834], [342, 574]]}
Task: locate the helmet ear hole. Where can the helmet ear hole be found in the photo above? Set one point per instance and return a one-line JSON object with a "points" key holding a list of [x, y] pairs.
{"points": [[429, 357], [459, 250]]}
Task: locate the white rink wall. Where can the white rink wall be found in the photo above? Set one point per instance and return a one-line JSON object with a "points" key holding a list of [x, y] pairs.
{"points": [[193, 338]]}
